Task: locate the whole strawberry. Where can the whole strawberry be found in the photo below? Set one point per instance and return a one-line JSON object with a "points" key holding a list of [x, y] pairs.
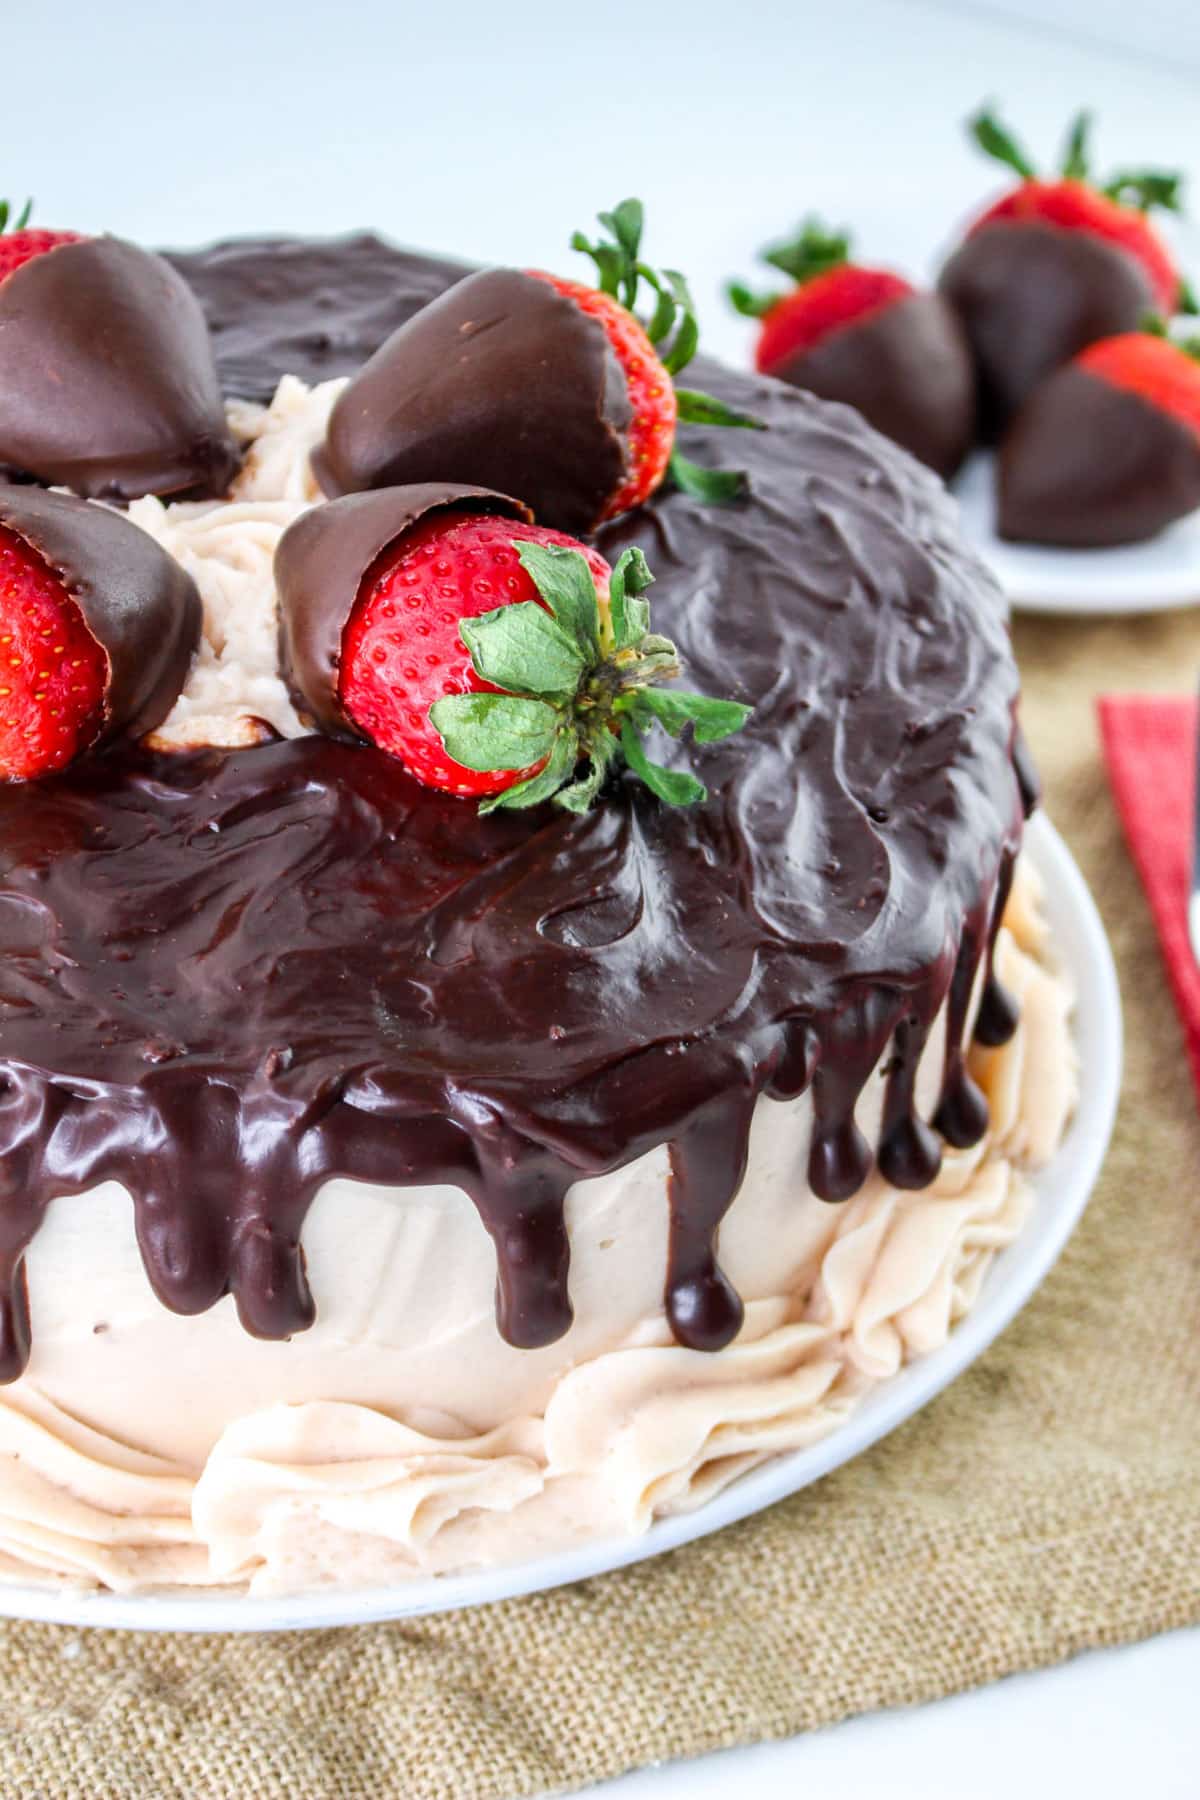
{"points": [[494, 658], [1056, 264], [868, 338], [539, 386], [107, 379], [1107, 451], [98, 626]]}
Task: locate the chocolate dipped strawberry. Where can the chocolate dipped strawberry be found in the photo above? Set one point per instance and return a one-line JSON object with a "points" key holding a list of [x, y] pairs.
{"points": [[546, 388], [98, 626], [1056, 264], [107, 379], [494, 658], [1107, 451], [869, 338]]}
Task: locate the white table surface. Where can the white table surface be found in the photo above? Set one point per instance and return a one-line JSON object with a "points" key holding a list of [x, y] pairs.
{"points": [[491, 131]]}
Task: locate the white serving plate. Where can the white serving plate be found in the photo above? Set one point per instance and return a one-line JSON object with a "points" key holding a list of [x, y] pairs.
{"points": [[1136, 578], [1062, 1188]]}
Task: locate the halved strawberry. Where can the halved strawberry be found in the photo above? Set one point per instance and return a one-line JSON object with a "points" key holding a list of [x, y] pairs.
{"points": [[1056, 264], [1107, 451], [869, 338]]}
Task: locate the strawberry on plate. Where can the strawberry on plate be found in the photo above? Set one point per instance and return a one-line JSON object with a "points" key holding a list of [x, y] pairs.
{"points": [[1107, 451], [1057, 263], [869, 338], [494, 658], [543, 387]]}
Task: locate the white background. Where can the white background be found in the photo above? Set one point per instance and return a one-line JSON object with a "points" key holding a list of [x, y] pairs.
{"points": [[490, 130]]}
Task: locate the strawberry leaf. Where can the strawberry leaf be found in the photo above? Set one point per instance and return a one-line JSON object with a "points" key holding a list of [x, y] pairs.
{"points": [[1075, 152], [1146, 189], [545, 784], [749, 304], [579, 795], [564, 581], [630, 615], [715, 487], [711, 719], [687, 337], [521, 648], [995, 141], [696, 408], [675, 786], [813, 251], [21, 220], [1188, 304], [486, 732]]}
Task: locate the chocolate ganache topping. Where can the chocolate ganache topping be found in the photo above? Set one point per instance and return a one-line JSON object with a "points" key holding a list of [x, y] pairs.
{"points": [[228, 976]]}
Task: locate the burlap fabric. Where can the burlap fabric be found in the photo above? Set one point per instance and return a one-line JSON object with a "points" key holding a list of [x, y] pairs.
{"points": [[1048, 1502]]}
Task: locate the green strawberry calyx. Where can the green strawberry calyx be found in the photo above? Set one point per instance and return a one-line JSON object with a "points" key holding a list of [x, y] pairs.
{"points": [[673, 329], [812, 250], [1141, 189], [21, 220], [582, 684]]}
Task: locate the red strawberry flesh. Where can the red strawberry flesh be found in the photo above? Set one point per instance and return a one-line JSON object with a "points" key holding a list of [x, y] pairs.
{"points": [[1075, 206], [18, 247], [401, 649], [651, 434], [841, 297], [53, 673]]}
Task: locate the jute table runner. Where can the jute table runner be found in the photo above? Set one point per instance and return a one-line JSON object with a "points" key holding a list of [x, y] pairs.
{"points": [[1048, 1502]]}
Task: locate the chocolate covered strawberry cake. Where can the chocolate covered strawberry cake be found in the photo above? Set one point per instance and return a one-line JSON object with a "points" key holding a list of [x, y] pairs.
{"points": [[518, 995]]}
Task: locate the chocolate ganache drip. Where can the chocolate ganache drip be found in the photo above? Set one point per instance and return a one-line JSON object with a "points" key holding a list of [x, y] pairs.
{"points": [[229, 976]]}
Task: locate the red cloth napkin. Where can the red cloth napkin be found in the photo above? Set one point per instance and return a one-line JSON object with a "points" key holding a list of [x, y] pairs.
{"points": [[1150, 747]]}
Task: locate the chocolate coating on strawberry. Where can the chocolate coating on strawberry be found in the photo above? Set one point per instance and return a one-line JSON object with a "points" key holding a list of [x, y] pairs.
{"points": [[466, 390], [141, 608], [868, 338], [908, 371], [541, 388], [1055, 265], [320, 563], [1089, 463], [1030, 297], [107, 379]]}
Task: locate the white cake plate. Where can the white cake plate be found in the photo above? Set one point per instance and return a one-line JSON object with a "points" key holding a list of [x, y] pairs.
{"points": [[1062, 1190], [1137, 578]]}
